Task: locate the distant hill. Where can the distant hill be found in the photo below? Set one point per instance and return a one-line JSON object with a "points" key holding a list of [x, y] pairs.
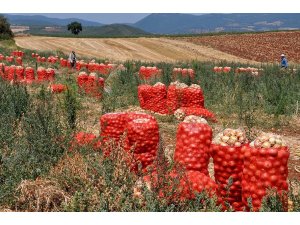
{"points": [[113, 30], [163, 23], [37, 20], [174, 23]]}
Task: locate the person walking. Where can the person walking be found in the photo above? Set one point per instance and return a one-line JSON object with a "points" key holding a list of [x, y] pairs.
{"points": [[72, 59], [284, 62]]}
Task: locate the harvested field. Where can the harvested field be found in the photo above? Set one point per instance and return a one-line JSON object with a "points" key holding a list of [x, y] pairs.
{"points": [[144, 49], [261, 47]]}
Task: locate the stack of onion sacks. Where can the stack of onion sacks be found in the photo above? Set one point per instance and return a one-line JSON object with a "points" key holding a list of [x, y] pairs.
{"points": [[141, 139], [265, 166], [227, 154], [174, 95], [41, 74], [153, 98], [193, 140], [29, 75]]}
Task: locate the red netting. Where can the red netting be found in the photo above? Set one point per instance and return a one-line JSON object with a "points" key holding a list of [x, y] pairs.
{"points": [[153, 98], [264, 168], [57, 88], [193, 142], [228, 163]]}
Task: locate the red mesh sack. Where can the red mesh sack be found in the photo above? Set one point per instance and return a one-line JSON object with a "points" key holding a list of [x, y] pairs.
{"points": [[19, 73], [228, 163], [227, 153], [192, 97], [153, 98], [29, 74], [93, 86], [9, 58], [92, 67], [148, 72], [112, 125], [42, 74], [174, 97], [143, 138], [198, 111], [78, 66], [19, 61], [9, 72], [52, 59], [226, 69], [179, 186], [82, 80], [104, 69], [178, 72], [63, 62], [2, 65], [217, 69], [264, 168], [50, 74], [137, 115], [1, 57], [193, 142], [57, 88]]}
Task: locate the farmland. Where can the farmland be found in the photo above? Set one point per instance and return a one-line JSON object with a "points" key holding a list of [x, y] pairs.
{"points": [[145, 49], [263, 47], [42, 169]]}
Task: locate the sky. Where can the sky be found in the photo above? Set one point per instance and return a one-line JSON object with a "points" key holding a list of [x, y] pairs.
{"points": [[106, 18]]}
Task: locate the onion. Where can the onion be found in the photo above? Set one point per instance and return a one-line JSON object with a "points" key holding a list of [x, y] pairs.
{"points": [[179, 114], [194, 119], [231, 137], [158, 84], [269, 140]]}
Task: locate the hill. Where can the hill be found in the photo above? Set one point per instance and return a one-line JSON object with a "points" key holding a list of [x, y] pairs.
{"points": [[37, 20], [174, 23], [112, 30]]}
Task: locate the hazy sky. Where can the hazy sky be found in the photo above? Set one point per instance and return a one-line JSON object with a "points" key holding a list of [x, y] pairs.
{"points": [[105, 18]]}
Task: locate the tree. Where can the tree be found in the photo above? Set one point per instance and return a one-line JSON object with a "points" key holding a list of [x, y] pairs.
{"points": [[75, 27], [5, 31]]}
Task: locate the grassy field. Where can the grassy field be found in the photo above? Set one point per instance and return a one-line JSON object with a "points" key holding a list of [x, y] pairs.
{"points": [[39, 173]]}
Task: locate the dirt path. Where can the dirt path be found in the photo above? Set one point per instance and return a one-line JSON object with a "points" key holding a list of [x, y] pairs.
{"points": [[120, 49]]}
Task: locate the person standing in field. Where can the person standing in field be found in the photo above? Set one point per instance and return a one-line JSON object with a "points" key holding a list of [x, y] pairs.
{"points": [[284, 62], [72, 59]]}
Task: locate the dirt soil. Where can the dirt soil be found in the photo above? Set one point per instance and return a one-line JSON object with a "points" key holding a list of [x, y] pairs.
{"points": [[120, 49]]}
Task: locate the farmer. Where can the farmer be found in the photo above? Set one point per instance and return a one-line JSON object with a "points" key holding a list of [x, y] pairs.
{"points": [[72, 59], [283, 63]]}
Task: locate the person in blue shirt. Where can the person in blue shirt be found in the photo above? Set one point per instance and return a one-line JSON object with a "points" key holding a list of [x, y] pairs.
{"points": [[284, 62]]}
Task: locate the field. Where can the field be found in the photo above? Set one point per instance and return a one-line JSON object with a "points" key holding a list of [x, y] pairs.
{"points": [[263, 47], [121, 49], [41, 170]]}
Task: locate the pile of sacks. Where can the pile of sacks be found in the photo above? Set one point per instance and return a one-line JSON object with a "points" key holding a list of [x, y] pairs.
{"points": [[178, 99]]}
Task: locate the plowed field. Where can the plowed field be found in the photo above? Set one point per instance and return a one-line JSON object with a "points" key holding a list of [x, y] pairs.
{"points": [[260, 47]]}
